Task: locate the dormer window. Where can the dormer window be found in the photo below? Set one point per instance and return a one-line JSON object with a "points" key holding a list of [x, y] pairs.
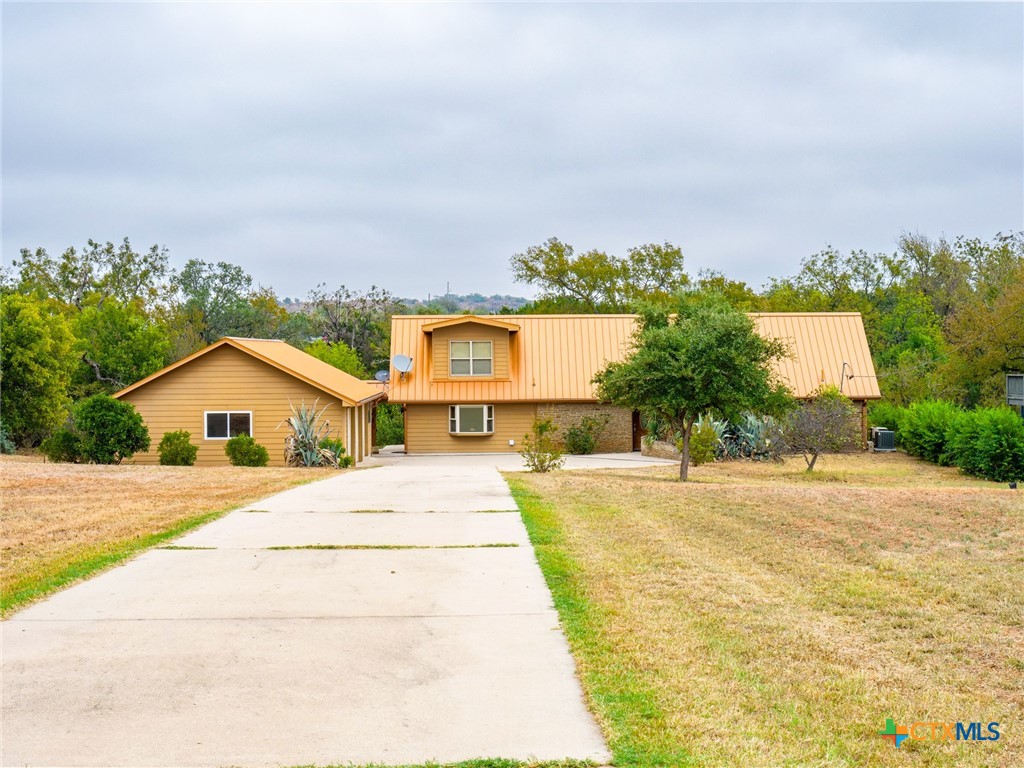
{"points": [[471, 358]]}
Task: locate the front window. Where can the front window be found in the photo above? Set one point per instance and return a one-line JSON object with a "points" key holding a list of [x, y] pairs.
{"points": [[471, 419], [220, 425], [470, 358]]}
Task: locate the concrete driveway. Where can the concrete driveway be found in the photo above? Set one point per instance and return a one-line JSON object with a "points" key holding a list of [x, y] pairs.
{"points": [[406, 637]]}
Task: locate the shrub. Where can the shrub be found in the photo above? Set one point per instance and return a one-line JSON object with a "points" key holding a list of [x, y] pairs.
{"points": [[989, 443], [923, 429], [888, 416], [176, 449], [703, 442], [244, 451], [752, 437], [539, 450], [110, 430], [337, 447], [62, 446], [390, 425], [823, 424], [6, 443], [304, 447], [582, 437]]}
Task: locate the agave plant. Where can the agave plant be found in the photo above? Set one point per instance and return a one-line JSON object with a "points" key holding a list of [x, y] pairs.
{"points": [[302, 448]]}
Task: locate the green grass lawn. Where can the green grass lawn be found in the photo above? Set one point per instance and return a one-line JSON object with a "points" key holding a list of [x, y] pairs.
{"points": [[762, 617]]}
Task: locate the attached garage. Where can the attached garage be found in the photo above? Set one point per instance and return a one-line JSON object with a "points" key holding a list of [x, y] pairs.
{"points": [[248, 386]]}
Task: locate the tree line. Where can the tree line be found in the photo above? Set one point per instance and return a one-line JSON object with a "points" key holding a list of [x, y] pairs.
{"points": [[944, 318]]}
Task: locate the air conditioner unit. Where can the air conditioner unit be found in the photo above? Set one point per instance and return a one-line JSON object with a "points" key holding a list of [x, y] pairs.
{"points": [[883, 440]]}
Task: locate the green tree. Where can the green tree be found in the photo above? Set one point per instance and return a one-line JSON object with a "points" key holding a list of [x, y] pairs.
{"points": [[340, 355], [217, 298], [36, 360], [360, 319], [110, 430], [706, 359], [118, 345], [98, 271], [594, 282]]}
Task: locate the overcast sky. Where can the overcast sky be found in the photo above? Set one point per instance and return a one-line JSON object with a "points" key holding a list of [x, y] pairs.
{"points": [[410, 145]]}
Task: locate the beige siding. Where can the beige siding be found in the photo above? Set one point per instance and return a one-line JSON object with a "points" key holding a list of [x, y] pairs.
{"points": [[426, 429], [499, 338], [227, 379]]}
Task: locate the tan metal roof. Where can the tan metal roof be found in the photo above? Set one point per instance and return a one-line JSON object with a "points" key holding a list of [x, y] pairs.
{"points": [[287, 358], [820, 342], [463, 319], [555, 357]]}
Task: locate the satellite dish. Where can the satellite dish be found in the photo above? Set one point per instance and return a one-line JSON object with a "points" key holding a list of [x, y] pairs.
{"points": [[402, 363], [382, 376]]}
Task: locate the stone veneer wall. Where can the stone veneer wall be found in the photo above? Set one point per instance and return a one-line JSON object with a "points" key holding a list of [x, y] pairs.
{"points": [[617, 436]]}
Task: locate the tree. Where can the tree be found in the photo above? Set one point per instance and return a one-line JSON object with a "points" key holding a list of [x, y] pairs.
{"points": [[361, 320], [118, 345], [340, 355], [596, 282], [110, 430], [706, 359], [36, 361], [823, 424], [100, 271], [217, 296]]}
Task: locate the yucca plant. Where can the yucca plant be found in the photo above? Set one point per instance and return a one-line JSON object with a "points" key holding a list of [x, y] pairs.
{"points": [[302, 448]]}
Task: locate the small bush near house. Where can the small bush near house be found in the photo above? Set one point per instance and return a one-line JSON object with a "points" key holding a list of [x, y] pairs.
{"points": [[244, 451], [582, 437], [176, 449], [887, 416], [823, 424], [923, 429], [337, 447], [539, 450], [304, 447], [390, 425], [988, 443], [751, 437], [62, 446], [703, 442], [6, 443], [110, 430]]}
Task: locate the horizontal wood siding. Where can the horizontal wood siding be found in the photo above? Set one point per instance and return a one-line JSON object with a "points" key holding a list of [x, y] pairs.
{"points": [[499, 338], [426, 430], [227, 379]]}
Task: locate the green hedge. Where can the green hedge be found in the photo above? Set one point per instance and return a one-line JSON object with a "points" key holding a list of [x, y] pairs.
{"points": [[989, 443], [985, 442], [923, 429]]}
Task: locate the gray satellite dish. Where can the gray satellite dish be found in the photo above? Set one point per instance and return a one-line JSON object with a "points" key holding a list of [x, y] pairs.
{"points": [[402, 363], [382, 376]]}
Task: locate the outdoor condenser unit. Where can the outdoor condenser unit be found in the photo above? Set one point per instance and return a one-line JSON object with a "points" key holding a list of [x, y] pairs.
{"points": [[883, 439]]}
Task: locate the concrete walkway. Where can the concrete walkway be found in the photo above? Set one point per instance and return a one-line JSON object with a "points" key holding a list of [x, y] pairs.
{"points": [[234, 653]]}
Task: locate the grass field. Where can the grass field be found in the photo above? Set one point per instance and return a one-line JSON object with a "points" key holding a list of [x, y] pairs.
{"points": [[62, 522], [758, 616]]}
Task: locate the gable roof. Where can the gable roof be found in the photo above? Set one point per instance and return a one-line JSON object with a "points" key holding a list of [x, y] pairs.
{"points": [[287, 358], [555, 357], [469, 319]]}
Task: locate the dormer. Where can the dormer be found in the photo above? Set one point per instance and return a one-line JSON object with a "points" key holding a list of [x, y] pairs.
{"points": [[470, 348]]}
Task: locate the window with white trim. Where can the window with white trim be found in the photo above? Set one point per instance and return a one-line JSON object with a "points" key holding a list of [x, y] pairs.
{"points": [[222, 425], [470, 358], [471, 419]]}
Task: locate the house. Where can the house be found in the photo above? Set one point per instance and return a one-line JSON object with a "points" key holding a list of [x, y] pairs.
{"points": [[477, 383], [248, 386]]}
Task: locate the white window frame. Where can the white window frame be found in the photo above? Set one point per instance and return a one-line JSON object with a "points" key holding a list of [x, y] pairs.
{"points": [[206, 424], [472, 358], [455, 419]]}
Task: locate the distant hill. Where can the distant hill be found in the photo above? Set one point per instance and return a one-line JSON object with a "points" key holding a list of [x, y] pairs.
{"points": [[474, 302]]}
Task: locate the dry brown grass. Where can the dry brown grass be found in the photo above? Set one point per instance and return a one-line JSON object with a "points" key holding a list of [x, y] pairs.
{"points": [[778, 619], [56, 514]]}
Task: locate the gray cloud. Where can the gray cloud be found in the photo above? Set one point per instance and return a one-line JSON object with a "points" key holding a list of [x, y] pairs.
{"points": [[408, 145]]}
